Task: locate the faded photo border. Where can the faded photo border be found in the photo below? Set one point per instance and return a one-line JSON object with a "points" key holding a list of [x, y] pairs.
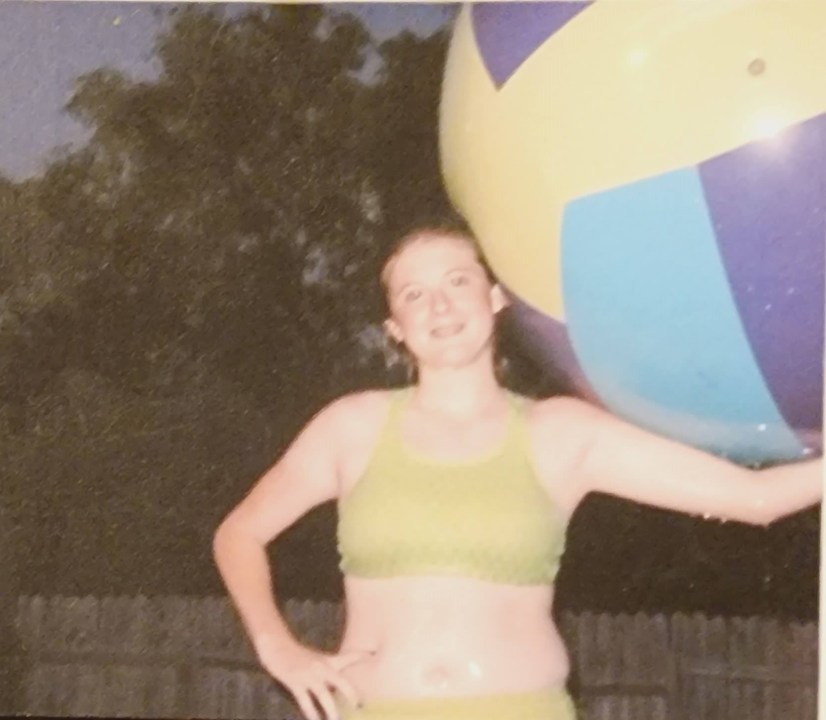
{"points": [[184, 281]]}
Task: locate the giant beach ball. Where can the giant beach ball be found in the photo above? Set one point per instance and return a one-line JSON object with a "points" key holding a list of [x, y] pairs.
{"points": [[648, 181]]}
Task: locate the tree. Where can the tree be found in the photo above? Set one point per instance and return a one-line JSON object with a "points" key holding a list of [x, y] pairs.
{"points": [[180, 294], [203, 253]]}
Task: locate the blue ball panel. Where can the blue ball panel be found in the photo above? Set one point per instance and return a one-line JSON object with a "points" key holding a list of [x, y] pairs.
{"points": [[653, 322]]}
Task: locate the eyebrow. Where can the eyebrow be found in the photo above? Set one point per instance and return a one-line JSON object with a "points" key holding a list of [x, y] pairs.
{"points": [[404, 287], [475, 265], [458, 268]]}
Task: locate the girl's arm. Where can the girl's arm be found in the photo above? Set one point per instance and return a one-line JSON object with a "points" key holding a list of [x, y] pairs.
{"points": [[304, 477], [621, 459]]}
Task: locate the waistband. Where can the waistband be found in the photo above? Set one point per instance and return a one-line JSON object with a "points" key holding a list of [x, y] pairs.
{"points": [[551, 704]]}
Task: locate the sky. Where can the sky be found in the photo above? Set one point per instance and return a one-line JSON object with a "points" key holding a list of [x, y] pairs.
{"points": [[45, 46]]}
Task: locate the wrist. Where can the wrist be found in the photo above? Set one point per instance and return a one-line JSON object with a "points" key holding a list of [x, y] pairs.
{"points": [[266, 643]]}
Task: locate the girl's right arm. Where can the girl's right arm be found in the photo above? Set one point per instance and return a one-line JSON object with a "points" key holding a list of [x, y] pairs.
{"points": [[305, 476]]}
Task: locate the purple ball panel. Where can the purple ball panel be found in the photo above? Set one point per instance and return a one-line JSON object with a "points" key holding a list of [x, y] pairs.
{"points": [[768, 204], [547, 340], [508, 33]]}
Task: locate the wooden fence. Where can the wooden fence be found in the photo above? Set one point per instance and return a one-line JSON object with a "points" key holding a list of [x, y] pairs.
{"points": [[179, 657]]}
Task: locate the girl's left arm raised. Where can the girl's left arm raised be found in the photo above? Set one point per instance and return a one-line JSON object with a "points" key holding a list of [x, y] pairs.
{"points": [[623, 460]]}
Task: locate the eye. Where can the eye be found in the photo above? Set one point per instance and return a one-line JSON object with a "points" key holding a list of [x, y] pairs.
{"points": [[411, 295], [459, 279]]}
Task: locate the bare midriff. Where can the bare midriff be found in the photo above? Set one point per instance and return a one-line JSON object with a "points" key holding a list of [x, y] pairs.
{"points": [[451, 636]]}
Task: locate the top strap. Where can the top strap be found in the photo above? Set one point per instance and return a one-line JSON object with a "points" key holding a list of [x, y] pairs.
{"points": [[521, 426]]}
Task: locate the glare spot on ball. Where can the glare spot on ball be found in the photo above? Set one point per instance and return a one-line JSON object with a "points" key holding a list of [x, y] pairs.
{"points": [[767, 125], [637, 57]]}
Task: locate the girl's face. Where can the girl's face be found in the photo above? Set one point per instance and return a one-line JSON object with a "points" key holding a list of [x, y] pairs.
{"points": [[442, 305]]}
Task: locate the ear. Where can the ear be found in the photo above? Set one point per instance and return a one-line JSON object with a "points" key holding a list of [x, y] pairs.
{"points": [[391, 327], [498, 299]]}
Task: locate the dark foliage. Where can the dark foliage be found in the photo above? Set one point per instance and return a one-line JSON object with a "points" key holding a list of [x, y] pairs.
{"points": [[181, 294]]}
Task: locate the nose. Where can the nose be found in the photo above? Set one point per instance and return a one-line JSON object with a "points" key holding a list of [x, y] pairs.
{"points": [[441, 301]]}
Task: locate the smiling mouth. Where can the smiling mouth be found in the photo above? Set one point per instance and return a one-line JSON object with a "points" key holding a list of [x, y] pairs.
{"points": [[446, 331]]}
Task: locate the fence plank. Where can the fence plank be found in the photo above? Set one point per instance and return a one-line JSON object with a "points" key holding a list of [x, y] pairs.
{"points": [[178, 657]]}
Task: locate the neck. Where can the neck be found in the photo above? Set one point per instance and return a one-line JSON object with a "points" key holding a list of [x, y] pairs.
{"points": [[458, 391]]}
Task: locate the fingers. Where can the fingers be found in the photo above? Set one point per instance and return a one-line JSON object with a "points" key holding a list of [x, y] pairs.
{"points": [[338, 663], [324, 697], [306, 704], [315, 688], [345, 688], [317, 693]]}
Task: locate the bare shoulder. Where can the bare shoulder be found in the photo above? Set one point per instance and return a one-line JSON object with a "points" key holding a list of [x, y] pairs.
{"points": [[315, 465], [561, 430], [562, 411], [358, 419], [353, 421], [361, 407]]}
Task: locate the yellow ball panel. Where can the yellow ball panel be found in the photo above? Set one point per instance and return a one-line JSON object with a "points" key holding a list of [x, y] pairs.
{"points": [[481, 164], [626, 90]]}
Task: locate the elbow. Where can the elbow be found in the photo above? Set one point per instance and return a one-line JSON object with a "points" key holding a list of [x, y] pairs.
{"points": [[763, 513], [225, 539], [764, 519], [753, 501], [762, 497], [786, 489], [219, 541], [233, 536]]}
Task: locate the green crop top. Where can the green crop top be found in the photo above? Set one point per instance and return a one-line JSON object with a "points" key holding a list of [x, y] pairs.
{"points": [[487, 518]]}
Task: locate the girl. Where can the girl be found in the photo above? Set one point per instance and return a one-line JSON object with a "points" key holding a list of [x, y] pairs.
{"points": [[453, 497]]}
